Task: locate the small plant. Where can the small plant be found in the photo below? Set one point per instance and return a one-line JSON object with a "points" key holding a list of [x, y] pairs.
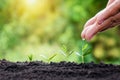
{"points": [[66, 51], [48, 59], [30, 57], [85, 49]]}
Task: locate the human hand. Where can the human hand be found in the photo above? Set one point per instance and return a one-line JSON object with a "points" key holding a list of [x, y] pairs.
{"points": [[107, 18]]}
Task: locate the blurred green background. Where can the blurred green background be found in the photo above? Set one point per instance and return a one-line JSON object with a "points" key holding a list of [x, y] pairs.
{"points": [[41, 28]]}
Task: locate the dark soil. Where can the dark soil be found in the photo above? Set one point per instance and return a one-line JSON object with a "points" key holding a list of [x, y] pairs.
{"points": [[57, 71]]}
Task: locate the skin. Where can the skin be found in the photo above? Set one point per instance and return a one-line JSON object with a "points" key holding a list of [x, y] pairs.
{"points": [[105, 19]]}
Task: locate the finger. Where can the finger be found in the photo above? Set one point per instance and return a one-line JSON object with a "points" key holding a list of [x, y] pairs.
{"points": [[93, 20], [113, 25], [113, 21], [95, 28], [108, 12], [91, 31], [83, 33], [90, 22], [110, 2]]}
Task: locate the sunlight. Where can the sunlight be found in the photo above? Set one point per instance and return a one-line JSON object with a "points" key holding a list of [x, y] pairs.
{"points": [[31, 2], [35, 3], [35, 7]]}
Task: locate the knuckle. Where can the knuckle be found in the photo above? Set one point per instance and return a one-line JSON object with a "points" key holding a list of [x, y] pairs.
{"points": [[99, 21], [112, 19]]}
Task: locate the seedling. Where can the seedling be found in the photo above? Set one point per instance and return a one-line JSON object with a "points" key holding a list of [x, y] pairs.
{"points": [[85, 49], [48, 59], [30, 57], [66, 51], [51, 57]]}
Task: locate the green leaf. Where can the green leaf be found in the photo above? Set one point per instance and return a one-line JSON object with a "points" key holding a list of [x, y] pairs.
{"points": [[52, 57], [71, 52], [87, 51], [79, 54], [64, 48], [84, 47], [30, 57]]}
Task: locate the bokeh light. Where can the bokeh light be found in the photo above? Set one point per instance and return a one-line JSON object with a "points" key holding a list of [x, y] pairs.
{"points": [[31, 2]]}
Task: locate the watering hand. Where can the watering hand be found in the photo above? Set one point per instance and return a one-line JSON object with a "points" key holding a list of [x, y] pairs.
{"points": [[107, 18]]}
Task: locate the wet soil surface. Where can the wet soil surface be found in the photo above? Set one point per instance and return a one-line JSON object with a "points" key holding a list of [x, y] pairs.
{"points": [[57, 71]]}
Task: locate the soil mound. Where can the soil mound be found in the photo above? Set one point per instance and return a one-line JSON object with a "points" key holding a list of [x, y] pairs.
{"points": [[57, 71]]}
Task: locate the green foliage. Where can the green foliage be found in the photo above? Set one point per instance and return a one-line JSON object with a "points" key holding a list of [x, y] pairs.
{"points": [[67, 51], [84, 50], [49, 59]]}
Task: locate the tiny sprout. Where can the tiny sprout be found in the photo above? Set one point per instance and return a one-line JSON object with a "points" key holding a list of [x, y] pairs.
{"points": [[30, 57], [48, 59], [66, 51]]}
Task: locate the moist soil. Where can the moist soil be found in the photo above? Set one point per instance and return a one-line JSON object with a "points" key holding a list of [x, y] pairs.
{"points": [[57, 71]]}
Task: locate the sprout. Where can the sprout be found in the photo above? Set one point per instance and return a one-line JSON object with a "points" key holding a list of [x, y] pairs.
{"points": [[48, 59], [66, 51], [30, 57], [85, 49]]}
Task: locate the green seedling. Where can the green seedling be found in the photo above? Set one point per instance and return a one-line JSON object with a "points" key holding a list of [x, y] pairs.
{"points": [[30, 57], [85, 49], [66, 51], [48, 59], [51, 57]]}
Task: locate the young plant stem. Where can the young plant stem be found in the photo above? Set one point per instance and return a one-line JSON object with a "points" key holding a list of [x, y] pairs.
{"points": [[82, 59], [82, 52]]}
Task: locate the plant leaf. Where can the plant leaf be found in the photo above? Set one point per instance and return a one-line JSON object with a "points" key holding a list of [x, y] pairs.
{"points": [[30, 57], [64, 48], [87, 51], [84, 47], [52, 57], [70, 53], [43, 56], [77, 53], [63, 53]]}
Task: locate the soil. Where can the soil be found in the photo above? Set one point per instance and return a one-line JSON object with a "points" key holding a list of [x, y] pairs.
{"points": [[57, 71]]}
